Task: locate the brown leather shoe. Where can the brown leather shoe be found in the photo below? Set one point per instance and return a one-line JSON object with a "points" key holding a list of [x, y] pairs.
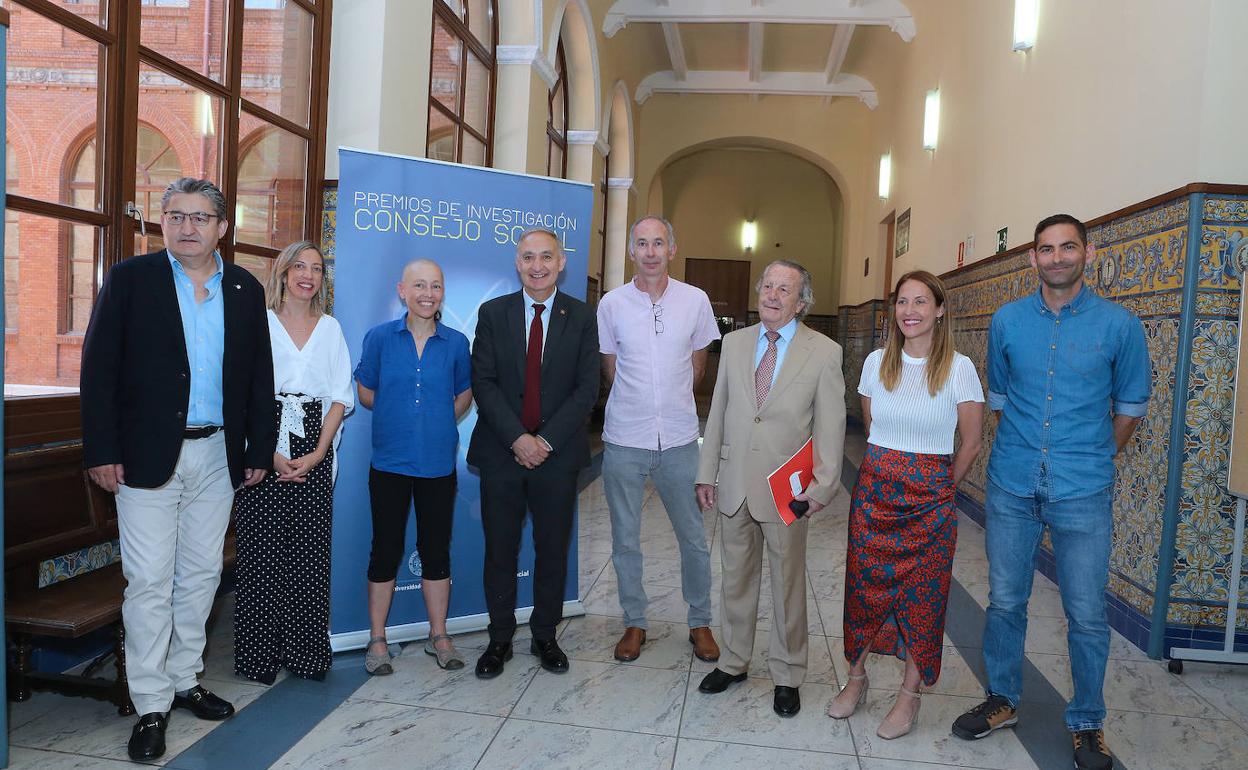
{"points": [[704, 645], [629, 646]]}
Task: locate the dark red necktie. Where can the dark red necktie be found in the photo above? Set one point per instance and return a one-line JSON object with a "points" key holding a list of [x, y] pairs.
{"points": [[531, 411]]}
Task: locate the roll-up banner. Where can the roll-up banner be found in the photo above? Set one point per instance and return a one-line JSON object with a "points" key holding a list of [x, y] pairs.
{"points": [[391, 210]]}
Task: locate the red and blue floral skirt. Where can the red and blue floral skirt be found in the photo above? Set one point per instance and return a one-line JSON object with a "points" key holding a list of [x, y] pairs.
{"points": [[903, 528]]}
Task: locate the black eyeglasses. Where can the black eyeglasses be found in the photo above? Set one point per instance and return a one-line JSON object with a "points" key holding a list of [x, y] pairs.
{"points": [[198, 218], [658, 318]]}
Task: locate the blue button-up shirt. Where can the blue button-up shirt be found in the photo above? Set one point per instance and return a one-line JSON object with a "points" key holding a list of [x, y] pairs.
{"points": [[203, 326], [1057, 379], [782, 346], [414, 427]]}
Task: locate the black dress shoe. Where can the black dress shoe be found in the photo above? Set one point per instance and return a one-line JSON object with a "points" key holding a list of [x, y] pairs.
{"points": [[548, 652], [147, 740], [786, 702], [204, 704], [490, 664], [718, 681]]}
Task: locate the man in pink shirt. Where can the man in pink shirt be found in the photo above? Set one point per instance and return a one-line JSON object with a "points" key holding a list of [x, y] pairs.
{"points": [[653, 334]]}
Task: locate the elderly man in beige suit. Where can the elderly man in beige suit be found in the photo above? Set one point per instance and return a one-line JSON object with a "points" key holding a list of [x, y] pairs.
{"points": [[779, 384]]}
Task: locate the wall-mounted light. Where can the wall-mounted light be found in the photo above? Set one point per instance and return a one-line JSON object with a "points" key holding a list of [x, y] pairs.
{"points": [[931, 119], [749, 234], [1026, 22], [886, 174]]}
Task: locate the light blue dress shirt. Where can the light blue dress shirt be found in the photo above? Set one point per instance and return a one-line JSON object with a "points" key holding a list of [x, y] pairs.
{"points": [[782, 345], [529, 302], [1058, 379], [203, 327]]}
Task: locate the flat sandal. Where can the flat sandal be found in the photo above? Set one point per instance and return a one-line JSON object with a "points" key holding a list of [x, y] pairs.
{"points": [[375, 664], [447, 659]]}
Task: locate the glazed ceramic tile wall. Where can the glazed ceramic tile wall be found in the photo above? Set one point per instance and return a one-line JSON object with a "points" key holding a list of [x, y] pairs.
{"points": [[1206, 515], [329, 237], [860, 330]]}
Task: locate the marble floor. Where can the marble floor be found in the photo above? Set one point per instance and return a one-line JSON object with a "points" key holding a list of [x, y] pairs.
{"points": [[649, 713]]}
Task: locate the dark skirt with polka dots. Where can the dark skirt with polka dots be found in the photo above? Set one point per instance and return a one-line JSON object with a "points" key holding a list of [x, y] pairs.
{"points": [[281, 599]]}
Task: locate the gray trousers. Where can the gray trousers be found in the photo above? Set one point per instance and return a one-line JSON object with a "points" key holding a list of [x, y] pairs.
{"points": [[624, 474]]}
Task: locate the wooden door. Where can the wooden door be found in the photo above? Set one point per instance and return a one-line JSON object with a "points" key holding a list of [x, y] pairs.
{"points": [[725, 281], [890, 226]]}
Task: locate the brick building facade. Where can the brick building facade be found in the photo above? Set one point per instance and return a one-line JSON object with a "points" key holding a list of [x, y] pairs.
{"points": [[55, 104]]}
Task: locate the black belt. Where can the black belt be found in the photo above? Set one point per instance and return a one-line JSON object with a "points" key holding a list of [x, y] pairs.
{"points": [[203, 431]]}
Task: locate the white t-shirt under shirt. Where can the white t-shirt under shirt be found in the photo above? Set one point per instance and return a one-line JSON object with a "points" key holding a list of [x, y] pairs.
{"points": [[909, 418]]}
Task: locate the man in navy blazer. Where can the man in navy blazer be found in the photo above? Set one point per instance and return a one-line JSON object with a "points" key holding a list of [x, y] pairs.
{"points": [[535, 379], [177, 413]]}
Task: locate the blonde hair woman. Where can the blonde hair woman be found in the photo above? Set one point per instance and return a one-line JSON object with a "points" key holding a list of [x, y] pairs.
{"points": [[281, 609], [903, 523]]}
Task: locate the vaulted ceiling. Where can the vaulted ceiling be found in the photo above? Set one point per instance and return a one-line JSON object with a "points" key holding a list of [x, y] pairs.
{"points": [[791, 47]]}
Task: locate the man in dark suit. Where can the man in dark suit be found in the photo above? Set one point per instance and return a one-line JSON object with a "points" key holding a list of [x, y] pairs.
{"points": [[177, 413], [535, 379]]}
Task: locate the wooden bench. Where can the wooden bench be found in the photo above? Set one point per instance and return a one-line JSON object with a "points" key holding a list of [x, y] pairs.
{"points": [[52, 509]]}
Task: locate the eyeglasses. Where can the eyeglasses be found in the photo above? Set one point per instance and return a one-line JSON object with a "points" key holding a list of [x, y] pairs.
{"points": [[658, 318], [198, 218]]}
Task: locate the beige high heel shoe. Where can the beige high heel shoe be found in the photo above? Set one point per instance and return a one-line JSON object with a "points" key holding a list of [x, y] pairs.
{"points": [[891, 730], [845, 712]]}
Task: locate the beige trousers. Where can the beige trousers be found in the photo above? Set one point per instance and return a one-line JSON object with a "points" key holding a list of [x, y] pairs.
{"points": [[171, 540], [742, 540]]}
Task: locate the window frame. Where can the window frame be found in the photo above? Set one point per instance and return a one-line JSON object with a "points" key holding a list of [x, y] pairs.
{"points": [[462, 30], [555, 137], [117, 89]]}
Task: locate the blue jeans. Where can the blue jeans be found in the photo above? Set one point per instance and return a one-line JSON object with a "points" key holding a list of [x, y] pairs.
{"points": [[624, 472], [1082, 533]]}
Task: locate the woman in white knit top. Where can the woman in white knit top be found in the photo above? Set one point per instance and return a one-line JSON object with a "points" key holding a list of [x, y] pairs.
{"points": [[903, 522]]}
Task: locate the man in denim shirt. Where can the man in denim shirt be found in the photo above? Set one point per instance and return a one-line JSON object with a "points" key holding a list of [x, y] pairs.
{"points": [[1069, 377]]}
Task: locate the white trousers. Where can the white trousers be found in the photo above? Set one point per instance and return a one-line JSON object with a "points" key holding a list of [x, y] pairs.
{"points": [[171, 540]]}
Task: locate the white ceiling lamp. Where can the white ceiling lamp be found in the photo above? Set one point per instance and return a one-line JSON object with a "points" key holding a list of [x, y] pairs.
{"points": [[931, 119], [1026, 22], [749, 235], [886, 174]]}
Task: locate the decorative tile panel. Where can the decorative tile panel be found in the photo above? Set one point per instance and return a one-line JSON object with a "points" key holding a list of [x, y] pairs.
{"points": [[1223, 254], [329, 240], [862, 331], [1226, 210], [71, 565]]}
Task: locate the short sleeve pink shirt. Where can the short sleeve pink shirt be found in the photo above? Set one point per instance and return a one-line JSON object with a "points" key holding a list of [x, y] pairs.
{"points": [[651, 404]]}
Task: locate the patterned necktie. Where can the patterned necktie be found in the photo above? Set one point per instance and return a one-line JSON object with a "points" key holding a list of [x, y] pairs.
{"points": [[531, 409], [766, 368]]}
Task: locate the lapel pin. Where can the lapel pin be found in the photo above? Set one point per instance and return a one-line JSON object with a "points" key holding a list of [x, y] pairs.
{"points": [[238, 286], [563, 311]]}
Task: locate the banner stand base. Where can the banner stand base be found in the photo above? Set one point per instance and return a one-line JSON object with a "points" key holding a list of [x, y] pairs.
{"points": [[358, 640]]}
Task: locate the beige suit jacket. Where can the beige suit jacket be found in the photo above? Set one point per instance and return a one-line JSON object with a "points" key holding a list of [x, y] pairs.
{"points": [[744, 443]]}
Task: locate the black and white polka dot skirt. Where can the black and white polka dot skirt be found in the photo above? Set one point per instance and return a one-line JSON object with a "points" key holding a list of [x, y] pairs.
{"points": [[281, 602]]}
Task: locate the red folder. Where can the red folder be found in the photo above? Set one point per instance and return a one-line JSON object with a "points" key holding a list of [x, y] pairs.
{"points": [[792, 478]]}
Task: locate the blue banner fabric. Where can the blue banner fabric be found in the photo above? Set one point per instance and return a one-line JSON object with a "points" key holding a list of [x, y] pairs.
{"points": [[392, 210]]}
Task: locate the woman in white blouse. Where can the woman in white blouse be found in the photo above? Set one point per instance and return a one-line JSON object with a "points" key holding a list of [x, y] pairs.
{"points": [[281, 610], [903, 521]]}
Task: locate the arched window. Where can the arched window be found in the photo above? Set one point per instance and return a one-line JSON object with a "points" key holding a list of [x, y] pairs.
{"points": [[461, 82], [557, 119], [155, 166]]}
